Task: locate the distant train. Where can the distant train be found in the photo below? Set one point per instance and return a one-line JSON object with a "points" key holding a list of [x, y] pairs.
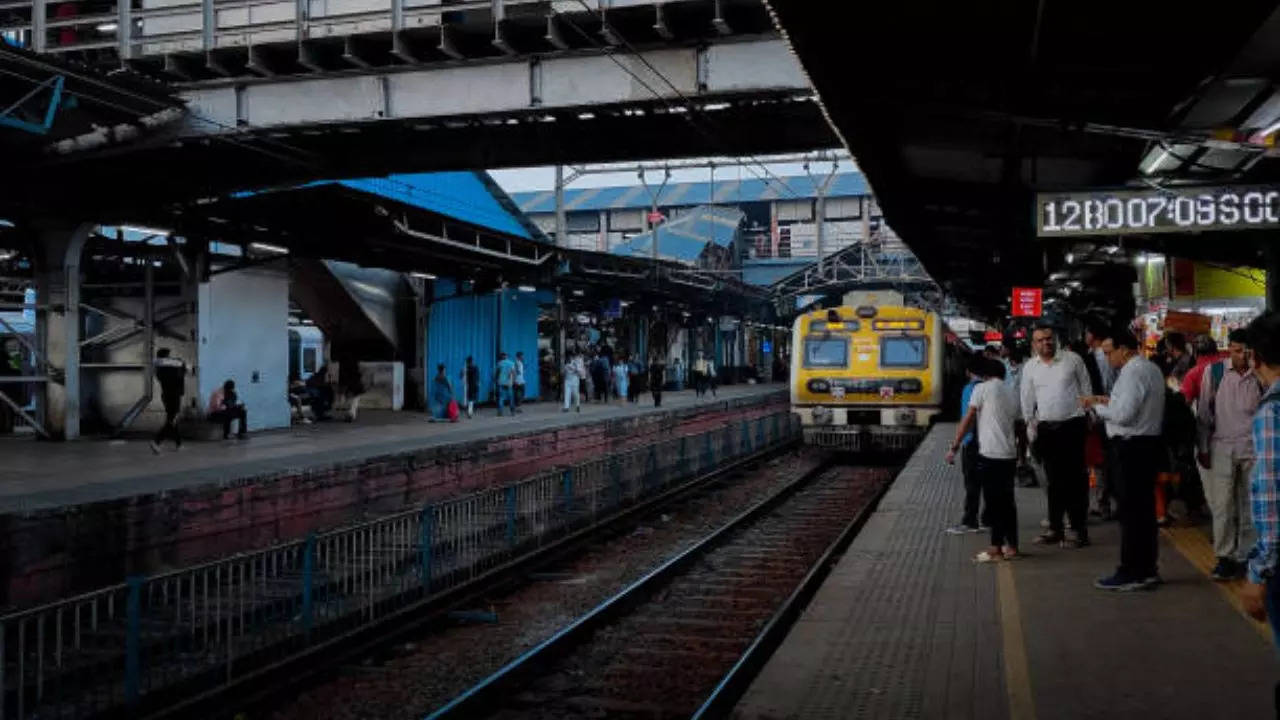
{"points": [[871, 376], [306, 350]]}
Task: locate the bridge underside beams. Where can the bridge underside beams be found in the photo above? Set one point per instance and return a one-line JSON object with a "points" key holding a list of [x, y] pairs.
{"points": [[760, 67]]}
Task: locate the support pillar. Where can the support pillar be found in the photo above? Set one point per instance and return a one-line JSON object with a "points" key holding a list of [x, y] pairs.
{"points": [[1272, 256], [58, 324], [561, 239]]}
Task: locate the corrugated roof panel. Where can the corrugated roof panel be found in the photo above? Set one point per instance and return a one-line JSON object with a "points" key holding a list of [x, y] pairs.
{"points": [[459, 195], [753, 189], [537, 202], [685, 238], [627, 200]]}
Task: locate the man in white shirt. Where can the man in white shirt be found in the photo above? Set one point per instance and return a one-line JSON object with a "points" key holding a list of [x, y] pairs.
{"points": [[995, 409], [1052, 384], [519, 384], [1134, 414]]}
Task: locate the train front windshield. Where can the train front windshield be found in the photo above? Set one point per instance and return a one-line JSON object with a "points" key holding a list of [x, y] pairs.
{"points": [[904, 352], [826, 352]]}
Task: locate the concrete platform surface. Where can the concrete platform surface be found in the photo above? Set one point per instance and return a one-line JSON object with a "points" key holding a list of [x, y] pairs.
{"points": [[908, 626], [38, 475]]}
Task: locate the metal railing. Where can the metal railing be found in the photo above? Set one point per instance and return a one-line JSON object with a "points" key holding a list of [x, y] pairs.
{"points": [[138, 28], [151, 641]]}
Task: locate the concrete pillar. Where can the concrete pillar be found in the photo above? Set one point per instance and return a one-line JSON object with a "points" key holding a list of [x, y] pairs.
{"points": [[561, 238], [58, 326], [1272, 259]]}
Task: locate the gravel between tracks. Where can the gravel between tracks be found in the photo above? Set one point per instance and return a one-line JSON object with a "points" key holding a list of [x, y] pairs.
{"points": [[413, 678]]}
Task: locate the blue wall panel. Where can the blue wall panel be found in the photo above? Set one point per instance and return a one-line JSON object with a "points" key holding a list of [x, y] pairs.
{"points": [[459, 327], [480, 326], [520, 334]]}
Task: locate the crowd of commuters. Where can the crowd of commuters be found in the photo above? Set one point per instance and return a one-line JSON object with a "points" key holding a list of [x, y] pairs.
{"points": [[1183, 431], [600, 375]]}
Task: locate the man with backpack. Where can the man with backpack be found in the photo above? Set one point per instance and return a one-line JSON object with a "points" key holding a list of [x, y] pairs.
{"points": [[1229, 397]]}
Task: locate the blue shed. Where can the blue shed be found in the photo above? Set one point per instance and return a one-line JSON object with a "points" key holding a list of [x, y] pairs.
{"points": [[481, 326]]}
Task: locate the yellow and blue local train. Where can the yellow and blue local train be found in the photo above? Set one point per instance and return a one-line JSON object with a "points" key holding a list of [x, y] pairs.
{"points": [[868, 376]]}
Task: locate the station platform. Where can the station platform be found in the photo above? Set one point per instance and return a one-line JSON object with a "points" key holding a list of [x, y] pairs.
{"points": [[908, 626], [37, 475], [89, 513]]}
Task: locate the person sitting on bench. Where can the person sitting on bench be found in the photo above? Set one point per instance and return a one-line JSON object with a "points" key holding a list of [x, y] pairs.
{"points": [[225, 406]]}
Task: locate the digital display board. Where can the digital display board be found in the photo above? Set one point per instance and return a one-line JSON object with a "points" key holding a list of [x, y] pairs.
{"points": [[1171, 210]]}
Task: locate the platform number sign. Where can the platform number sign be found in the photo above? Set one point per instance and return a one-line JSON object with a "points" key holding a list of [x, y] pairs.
{"points": [[1027, 302], [1165, 210]]}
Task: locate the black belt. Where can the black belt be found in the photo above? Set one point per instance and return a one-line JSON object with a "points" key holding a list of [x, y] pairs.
{"points": [[1058, 424]]}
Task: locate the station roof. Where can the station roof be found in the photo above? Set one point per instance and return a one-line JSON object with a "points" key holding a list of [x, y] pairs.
{"points": [[626, 197], [993, 104], [685, 238], [471, 197]]}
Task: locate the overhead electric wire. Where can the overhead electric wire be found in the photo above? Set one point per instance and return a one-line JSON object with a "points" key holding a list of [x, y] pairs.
{"points": [[690, 104]]}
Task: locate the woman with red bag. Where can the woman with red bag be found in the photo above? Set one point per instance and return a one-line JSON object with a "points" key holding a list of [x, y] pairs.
{"points": [[443, 406]]}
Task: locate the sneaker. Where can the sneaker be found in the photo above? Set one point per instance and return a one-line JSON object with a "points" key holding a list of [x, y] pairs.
{"points": [[1151, 582], [962, 530], [154, 447], [1119, 583], [1224, 570]]}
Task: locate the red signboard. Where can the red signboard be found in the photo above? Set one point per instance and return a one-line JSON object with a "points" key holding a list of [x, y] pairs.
{"points": [[992, 336], [654, 217], [1026, 302]]}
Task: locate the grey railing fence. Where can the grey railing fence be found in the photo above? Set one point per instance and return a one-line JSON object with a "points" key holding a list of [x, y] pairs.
{"points": [[151, 639]]}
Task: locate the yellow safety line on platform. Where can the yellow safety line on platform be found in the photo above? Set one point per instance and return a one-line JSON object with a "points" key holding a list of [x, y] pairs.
{"points": [[1017, 672], [1191, 543]]}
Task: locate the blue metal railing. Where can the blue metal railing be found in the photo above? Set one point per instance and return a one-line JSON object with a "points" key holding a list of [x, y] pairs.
{"points": [[149, 640]]}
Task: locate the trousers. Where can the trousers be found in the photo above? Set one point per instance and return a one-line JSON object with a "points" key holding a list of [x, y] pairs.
{"points": [[1137, 460], [996, 476], [1062, 454], [1227, 489]]}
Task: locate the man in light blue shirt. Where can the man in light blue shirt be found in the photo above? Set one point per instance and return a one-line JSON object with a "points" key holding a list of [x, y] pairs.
{"points": [[504, 376]]}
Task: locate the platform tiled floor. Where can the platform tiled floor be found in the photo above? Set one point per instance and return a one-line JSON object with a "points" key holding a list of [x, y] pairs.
{"points": [[907, 626], [35, 475]]}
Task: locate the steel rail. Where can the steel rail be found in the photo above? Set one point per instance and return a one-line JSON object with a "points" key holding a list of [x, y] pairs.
{"points": [[736, 681], [277, 679], [489, 693]]}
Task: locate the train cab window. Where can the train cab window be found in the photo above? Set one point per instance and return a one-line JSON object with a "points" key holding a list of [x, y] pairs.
{"points": [[308, 360], [904, 352], [826, 352]]}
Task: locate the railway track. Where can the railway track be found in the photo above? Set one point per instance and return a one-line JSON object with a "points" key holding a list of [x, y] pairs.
{"points": [[685, 639]]}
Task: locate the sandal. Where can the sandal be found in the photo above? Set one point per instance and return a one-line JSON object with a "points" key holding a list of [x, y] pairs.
{"points": [[987, 557]]}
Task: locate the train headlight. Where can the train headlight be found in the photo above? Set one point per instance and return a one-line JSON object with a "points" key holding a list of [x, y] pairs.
{"points": [[822, 416], [818, 386], [910, 385]]}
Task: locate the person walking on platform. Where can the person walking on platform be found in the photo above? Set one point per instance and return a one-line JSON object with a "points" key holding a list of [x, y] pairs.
{"points": [[1261, 594], [518, 396], [701, 374], [1134, 413], [442, 396], [1053, 382], [504, 378], [657, 378], [225, 406], [976, 371], [993, 408], [621, 379], [171, 374], [575, 372], [471, 385], [1224, 414]]}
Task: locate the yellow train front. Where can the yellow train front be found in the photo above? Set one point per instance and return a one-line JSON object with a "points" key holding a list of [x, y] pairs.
{"points": [[867, 377]]}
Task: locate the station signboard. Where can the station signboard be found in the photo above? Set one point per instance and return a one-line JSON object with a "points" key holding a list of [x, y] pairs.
{"points": [[1026, 302], [1163, 210]]}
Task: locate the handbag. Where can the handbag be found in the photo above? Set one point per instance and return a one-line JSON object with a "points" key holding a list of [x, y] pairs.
{"points": [[452, 410]]}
